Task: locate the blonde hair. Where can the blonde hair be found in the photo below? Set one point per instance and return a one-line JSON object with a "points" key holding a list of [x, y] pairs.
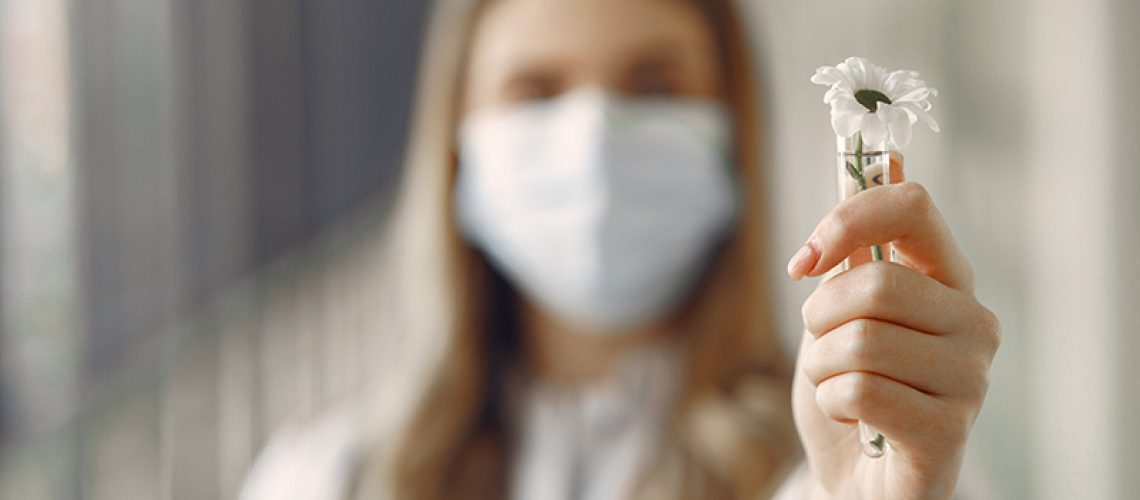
{"points": [[730, 433]]}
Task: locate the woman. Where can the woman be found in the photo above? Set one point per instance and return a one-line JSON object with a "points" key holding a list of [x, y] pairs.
{"points": [[579, 235]]}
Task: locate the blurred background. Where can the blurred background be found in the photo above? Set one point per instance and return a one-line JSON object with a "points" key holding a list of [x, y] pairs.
{"points": [[175, 176]]}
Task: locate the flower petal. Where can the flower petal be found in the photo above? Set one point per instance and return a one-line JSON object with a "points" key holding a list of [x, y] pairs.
{"points": [[893, 80], [834, 93], [877, 75], [846, 115], [826, 75], [915, 95], [848, 104], [902, 81], [857, 68], [821, 78], [910, 100], [899, 126], [836, 75], [845, 124], [874, 128], [922, 114], [910, 114]]}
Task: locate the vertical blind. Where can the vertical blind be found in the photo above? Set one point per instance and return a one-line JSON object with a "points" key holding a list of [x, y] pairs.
{"points": [[157, 263]]}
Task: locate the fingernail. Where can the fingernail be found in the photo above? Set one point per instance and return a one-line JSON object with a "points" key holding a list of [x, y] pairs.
{"points": [[804, 260]]}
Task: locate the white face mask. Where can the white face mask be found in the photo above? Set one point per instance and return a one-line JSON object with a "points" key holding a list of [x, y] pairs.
{"points": [[601, 209]]}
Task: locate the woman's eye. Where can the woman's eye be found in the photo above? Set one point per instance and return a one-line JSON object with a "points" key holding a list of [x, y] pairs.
{"points": [[532, 88], [653, 81]]}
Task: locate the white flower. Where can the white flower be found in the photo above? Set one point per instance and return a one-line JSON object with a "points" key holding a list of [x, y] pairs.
{"points": [[866, 99]]}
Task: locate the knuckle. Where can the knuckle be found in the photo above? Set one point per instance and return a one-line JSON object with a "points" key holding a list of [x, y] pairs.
{"points": [[914, 196], [811, 365], [994, 327], [861, 343], [975, 377], [859, 392], [974, 380], [807, 314], [840, 223], [815, 308], [983, 385], [990, 328], [823, 399], [969, 280], [849, 395], [862, 392], [880, 283]]}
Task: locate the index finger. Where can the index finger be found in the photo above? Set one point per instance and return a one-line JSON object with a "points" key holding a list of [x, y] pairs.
{"points": [[863, 255], [903, 214]]}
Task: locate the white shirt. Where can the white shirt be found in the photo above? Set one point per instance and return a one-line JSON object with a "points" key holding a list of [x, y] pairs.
{"points": [[591, 442], [585, 443]]}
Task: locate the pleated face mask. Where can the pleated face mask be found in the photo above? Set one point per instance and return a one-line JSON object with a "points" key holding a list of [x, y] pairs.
{"points": [[602, 209]]}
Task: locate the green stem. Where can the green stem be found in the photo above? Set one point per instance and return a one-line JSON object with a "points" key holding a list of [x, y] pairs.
{"points": [[861, 179], [878, 442]]}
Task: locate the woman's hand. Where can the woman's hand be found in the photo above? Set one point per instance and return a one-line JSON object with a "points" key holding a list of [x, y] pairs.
{"points": [[904, 347]]}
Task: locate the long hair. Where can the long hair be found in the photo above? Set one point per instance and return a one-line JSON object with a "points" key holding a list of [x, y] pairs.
{"points": [[729, 434]]}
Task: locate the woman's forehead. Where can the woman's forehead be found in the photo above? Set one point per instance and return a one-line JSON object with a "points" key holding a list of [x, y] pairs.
{"points": [[577, 32]]}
